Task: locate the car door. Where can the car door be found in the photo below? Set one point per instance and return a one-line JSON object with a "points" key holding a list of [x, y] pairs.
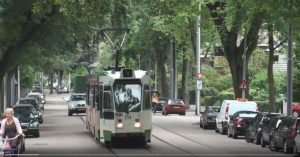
{"points": [[204, 114]]}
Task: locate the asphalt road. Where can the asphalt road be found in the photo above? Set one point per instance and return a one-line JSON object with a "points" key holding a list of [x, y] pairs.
{"points": [[173, 135]]}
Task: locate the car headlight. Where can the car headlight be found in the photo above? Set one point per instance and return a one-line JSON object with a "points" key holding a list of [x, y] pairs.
{"points": [[137, 123], [34, 124], [120, 123]]}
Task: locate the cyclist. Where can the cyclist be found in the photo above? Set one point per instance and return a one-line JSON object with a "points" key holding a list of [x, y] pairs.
{"points": [[10, 128]]}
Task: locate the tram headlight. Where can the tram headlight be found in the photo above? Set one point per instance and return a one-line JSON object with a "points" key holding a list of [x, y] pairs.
{"points": [[137, 123], [119, 124]]}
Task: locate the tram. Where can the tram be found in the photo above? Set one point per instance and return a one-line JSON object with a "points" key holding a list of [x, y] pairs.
{"points": [[119, 106]]}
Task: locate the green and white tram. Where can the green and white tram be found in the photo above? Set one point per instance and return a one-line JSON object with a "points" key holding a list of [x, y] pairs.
{"points": [[119, 106]]}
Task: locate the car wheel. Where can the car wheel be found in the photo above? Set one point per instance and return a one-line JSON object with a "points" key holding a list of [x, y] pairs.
{"points": [[248, 138], [272, 145], [228, 133], [234, 135], [37, 134], [257, 138], [41, 121], [286, 148], [295, 113], [223, 132], [295, 151], [216, 129], [200, 123], [204, 126], [262, 142], [70, 113]]}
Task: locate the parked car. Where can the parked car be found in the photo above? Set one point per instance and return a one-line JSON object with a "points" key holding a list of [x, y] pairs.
{"points": [[62, 89], [266, 129], [239, 123], [296, 144], [208, 118], [228, 108], [38, 89], [27, 116], [174, 106], [77, 103], [161, 102], [283, 136], [35, 104], [39, 98], [254, 132]]}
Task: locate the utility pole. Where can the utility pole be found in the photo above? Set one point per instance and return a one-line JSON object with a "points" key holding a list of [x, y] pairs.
{"points": [[244, 67], [289, 73], [19, 84], [198, 66], [173, 70]]}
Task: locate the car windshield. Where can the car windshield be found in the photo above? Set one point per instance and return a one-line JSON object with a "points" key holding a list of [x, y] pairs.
{"points": [[78, 97], [127, 97], [23, 111], [35, 96], [32, 102], [213, 110], [246, 115], [176, 102]]}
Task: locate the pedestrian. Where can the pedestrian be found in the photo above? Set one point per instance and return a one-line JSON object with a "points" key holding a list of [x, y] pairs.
{"points": [[10, 127], [154, 102]]}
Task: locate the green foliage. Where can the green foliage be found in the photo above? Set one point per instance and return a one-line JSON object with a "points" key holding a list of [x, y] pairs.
{"points": [[80, 71], [27, 76]]}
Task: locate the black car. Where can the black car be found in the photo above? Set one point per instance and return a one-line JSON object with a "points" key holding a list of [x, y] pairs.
{"points": [[27, 116], [208, 118], [283, 135], [35, 104], [160, 103], [254, 131], [266, 129], [239, 123]]}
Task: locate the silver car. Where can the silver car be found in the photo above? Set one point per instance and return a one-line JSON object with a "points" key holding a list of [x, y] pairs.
{"points": [[76, 103]]}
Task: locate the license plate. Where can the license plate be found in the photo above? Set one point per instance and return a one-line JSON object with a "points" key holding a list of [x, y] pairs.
{"points": [[176, 107], [81, 109], [24, 130]]}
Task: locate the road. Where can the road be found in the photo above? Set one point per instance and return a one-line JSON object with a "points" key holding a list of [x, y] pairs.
{"points": [[173, 135]]}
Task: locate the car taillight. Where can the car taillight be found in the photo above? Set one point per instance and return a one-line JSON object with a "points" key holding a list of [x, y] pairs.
{"points": [[239, 122], [226, 111]]}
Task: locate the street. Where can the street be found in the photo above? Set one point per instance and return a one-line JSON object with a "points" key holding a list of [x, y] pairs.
{"points": [[173, 135]]}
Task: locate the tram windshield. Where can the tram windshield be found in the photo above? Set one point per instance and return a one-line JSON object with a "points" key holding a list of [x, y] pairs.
{"points": [[127, 97]]}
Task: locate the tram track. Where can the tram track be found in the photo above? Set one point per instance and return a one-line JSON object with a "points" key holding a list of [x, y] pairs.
{"points": [[184, 137]]}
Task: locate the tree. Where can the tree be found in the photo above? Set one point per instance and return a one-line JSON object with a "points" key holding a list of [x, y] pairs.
{"points": [[230, 19]]}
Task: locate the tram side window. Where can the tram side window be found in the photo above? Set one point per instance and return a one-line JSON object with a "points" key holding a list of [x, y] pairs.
{"points": [[107, 98], [147, 95], [88, 95], [101, 101], [97, 97], [94, 96]]}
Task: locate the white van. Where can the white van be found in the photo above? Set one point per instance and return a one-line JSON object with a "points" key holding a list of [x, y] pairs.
{"points": [[228, 108]]}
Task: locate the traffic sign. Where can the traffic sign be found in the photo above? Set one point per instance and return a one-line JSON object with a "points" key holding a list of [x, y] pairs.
{"points": [[199, 76], [243, 85], [199, 84]]}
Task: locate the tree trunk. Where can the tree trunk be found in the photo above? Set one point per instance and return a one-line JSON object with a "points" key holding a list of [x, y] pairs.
{"points": [[162, 78], [9, 87], [229, 39], [185, 78], [60, 78], [272, 87], [51, 82]]}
